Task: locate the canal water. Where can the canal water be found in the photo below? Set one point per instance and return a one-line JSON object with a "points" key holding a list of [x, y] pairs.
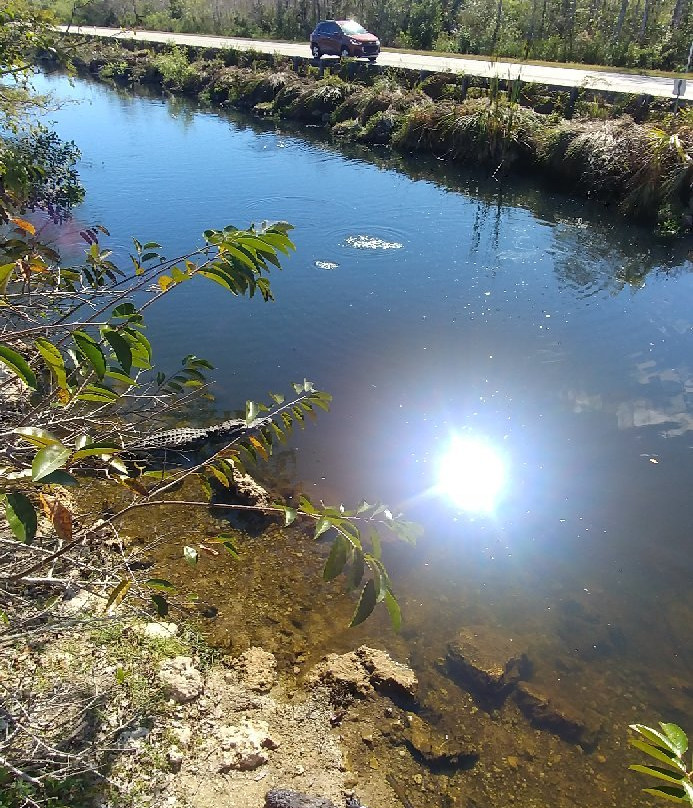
{"points": [[544, 340]]}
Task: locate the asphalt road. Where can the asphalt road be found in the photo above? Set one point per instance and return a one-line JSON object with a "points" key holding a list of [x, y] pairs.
{"points": [[555, 76]]}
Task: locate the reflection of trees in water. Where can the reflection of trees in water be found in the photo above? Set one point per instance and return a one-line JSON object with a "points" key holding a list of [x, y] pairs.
{"points": [[596, 248], [587, 261]]}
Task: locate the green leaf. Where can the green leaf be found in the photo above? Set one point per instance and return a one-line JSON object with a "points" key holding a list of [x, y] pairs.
{"points": [[393, 610], [98, 393], [95, 449], [190, 554], [139, 346], [677, 738], [83, 441], [18, 365], [671, 793], [126, 311], [654, 736], [336, 560], [356, 571], [688, 788], [21, 516], [54, 359], [90, 348], [662, 774], [365, 605], [121, 377], [160, 583], [252, 410], [59, 477], [121, 348], [290, 515], [377, 547], [658, 754], [5, 272], [321, 526], [36, 436], [118, 594], [48, 460], [161, 605], [379, 577]]}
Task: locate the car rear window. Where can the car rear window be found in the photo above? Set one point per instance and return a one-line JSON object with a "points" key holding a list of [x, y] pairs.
{"points": [[352, 27]]}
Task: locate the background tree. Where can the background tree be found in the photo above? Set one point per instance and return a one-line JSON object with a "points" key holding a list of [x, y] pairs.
{"points": [[647, 34]]}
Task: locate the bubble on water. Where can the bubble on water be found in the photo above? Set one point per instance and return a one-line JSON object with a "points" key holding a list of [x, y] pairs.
{"points": [[362, 242], [326, 265]]}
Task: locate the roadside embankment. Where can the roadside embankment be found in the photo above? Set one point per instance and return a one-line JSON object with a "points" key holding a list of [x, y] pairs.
{"points": [[630, 152]]}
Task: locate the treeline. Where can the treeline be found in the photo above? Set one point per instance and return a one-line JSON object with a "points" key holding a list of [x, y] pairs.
{"points": [[654, 34]]}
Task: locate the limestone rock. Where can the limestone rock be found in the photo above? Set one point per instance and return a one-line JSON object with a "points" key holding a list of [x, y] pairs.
{"points": [[364, 670], [181, 680], [258, 669], [342, 671], [156, 631], [557, 717], [244, 747], [283, 798], [486, 662], [386, 674], [438, 749]]}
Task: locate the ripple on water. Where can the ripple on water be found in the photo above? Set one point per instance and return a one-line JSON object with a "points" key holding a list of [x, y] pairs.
{"points": [[327, 265], [365, 242]]}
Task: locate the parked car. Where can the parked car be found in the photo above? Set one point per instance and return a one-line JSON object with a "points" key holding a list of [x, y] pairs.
{"points": [[343, 38]]}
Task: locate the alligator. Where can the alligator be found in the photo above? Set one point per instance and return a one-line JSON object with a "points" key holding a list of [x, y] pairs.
{"points": [[188, 438]]}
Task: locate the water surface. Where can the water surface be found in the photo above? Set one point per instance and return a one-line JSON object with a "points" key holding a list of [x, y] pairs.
{"points": [[431, 303]]}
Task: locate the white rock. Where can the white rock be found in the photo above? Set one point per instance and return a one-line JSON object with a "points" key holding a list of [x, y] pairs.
{"points": [[157, 631], [181, 680], [182, 734], [244, 747]]}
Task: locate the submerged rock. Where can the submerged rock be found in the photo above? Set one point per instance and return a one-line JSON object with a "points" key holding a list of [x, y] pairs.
{"points": [[486, 662], [360, 672], [283, 798], [553, 715], [437, 749], [181, 680]]}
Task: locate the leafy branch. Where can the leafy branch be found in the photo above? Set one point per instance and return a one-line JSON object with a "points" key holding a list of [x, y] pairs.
{"points": [[668, 746]]}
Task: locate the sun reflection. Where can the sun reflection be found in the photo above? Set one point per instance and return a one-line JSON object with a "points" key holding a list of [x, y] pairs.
{"points": [[472, 474]]}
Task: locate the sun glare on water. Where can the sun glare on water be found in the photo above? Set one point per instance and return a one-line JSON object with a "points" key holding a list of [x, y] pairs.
{"points": [[472, 475]]}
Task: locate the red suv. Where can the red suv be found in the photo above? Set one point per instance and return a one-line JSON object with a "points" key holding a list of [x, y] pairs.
{"points": [[343, 38]]}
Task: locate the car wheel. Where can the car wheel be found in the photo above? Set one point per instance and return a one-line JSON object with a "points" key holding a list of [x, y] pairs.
{"points": [[345, 53], [315, 50], [372, 59]]}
